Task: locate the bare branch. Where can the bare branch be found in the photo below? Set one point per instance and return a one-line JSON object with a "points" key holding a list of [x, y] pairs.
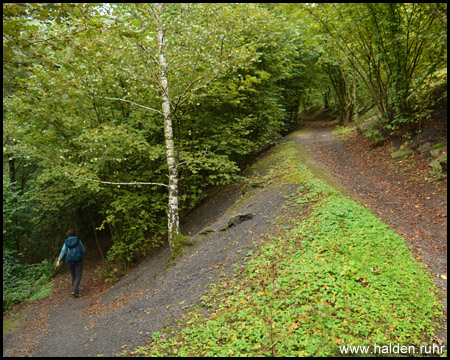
{"points": [[155, 75], [120, 183], [187, 96], [154, 11], [147, 53], [131, 102], [56, 37], [433, 9]]}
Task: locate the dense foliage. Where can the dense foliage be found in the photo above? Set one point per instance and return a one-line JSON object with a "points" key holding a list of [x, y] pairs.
{"points": [[24, 281], [83, 134], [65, 138], [395, 50]]}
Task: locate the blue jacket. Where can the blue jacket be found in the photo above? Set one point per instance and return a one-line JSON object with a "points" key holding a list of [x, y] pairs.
{"points": [[64, 248]]}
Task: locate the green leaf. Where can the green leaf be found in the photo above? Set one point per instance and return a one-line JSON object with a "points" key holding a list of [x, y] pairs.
{"points": [[32, 24]]}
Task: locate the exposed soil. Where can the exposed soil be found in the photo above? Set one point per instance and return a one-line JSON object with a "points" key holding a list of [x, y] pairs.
{"points": [[109, 320], [415, 208], [400, 193]]}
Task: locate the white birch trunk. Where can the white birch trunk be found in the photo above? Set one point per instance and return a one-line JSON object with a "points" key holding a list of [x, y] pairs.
{"points": [[172, 216]]}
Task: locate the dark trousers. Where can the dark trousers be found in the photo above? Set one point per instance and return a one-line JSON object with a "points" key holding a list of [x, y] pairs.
{"points": [[76, 270]]}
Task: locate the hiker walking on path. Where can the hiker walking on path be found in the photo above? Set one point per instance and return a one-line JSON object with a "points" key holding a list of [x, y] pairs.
{"points": [[74, 249]]}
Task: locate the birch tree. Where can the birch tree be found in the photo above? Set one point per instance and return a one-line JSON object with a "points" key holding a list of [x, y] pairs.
{"points": [[173, 222], [193, 47], [142, 108]]}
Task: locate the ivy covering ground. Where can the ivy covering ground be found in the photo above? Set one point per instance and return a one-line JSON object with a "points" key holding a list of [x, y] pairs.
{"points": [[336, 276]]}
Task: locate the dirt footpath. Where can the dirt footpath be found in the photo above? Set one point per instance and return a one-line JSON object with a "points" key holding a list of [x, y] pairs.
{"points": [[154, 295], [418, 211]]}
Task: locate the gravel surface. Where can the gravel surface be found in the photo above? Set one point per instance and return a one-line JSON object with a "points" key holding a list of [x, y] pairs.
{"points": [[155, 294]]}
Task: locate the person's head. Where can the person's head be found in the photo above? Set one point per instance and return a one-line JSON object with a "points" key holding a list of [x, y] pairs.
{"points": [[71, 232]]}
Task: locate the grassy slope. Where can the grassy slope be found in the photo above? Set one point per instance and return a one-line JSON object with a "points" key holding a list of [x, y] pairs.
{"points": [[334, 276]]}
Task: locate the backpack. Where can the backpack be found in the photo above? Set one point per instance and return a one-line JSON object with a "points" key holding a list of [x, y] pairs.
{"points": [[73, 247]]}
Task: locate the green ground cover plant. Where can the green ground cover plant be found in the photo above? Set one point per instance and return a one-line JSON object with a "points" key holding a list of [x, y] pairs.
{"points": [[335, 276], [24, 282]]}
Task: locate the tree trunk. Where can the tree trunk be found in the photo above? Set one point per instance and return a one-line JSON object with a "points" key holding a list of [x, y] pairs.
{"points": [[12, 170], [326, 102], [172, 216]]}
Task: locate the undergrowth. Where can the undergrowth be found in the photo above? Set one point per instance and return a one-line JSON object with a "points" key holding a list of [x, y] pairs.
{"points": [[337, 276], [24, 282]]}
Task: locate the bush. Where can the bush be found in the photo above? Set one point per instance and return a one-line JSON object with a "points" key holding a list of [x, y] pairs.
{"points": [[136, 227], [17, 217], [24, 282], [375, 135]]}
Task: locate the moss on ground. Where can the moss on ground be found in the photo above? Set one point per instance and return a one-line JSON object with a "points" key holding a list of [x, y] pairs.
{"points": [[180, 243], [12, 322]]}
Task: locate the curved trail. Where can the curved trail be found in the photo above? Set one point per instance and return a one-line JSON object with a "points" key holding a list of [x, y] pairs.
{"points": [[153, 295], [398, 201], [417, 211]]}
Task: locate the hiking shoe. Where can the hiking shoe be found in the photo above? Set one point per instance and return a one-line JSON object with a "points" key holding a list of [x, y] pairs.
{"points": [[75, 295]]}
